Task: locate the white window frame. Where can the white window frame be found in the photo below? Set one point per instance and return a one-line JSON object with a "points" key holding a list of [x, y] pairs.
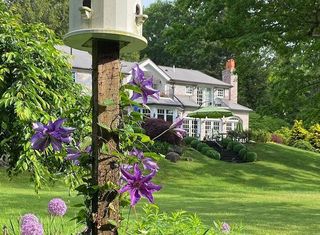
{"points": [[189, 90], [199, 95], [220, 93]]}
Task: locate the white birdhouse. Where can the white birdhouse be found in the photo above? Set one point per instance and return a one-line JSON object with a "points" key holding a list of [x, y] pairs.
{"points": [[117, 20]]}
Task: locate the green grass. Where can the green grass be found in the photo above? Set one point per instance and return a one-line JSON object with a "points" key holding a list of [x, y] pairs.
{"points": [[18, 197], [278, 195]]}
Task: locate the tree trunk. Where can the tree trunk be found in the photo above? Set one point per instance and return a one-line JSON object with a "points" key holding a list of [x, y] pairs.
{"points": [[105, 169]]}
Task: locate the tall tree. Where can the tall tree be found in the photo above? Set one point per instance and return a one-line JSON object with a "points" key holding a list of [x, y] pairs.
{"points": [[54, 14]]}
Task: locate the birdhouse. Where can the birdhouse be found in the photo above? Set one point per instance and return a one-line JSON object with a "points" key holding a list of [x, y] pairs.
{"points": [[116, 20]]}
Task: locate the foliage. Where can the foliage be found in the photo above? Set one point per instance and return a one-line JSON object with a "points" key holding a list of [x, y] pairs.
{"points": [[237, 147], [251, 157], [261, 136], [284, 133], [205, 149], [314, 136], [195, 143], [303, 144], [277, 138], [35, 85], [225, 142], [180, 222], [188, 140], [54, 14], [243, 154], [213, 154], [200, 146], [230, 145], [155, 127], [298, 132], [158, 147], [267, 123]]}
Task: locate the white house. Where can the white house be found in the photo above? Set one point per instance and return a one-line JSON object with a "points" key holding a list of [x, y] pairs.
{"points": [[181, 91]]}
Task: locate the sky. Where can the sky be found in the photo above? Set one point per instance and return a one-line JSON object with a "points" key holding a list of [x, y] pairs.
{"points": [[146, 3]]}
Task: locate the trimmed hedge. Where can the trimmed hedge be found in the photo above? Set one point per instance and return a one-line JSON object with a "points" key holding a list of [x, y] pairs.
{"points": [[188, 140], [251, 157], [201, 145], [195, 143], [243, 154], [237, 147]]}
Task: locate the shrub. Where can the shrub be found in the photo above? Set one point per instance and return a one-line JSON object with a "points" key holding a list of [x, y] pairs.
{"points": [[298, 132], [266, 123], [314, 136], [243, 154], [237, 147], [285, 134], [188, 140], [194, 143], [217, 156], [154, 127], [277, 138], [159, 147], [251, 157], [230, 145], [205, 149], [201, 145], [303, 144], [261, 136], [225, 142], [213, 154]]}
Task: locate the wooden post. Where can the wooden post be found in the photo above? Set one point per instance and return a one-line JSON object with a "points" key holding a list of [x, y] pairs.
{"points": [[105, 86]]}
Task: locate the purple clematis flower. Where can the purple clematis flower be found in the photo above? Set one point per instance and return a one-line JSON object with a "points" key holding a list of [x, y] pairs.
{"points": [[145, 85], [138, 185], [73, 153], [177, 129], [148, 163], [53, 134]]}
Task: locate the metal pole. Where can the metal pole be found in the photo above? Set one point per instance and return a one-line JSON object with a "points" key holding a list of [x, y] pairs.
{"points": [[105, 169]]}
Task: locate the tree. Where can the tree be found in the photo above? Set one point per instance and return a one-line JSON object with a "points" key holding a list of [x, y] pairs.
{"points": [[35, 85], [54, 14]]}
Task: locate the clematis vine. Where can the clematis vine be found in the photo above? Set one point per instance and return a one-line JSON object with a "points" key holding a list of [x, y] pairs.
{"points": [[138, 185], [148, 163], [53, 133], [145, 85], [177, 129]]}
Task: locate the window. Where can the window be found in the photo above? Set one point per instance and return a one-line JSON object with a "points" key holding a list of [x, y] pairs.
{"points": [[169, 116], [86, 3], [186, 126], [208, 128], [229, 126], [216, 126], [220, 93], [161, 113], [199, 96], [189, 90], [146, 113], [194, 128]]}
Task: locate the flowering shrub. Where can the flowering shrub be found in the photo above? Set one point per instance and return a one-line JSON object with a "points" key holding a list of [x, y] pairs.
{"points": [[155, 127], [276, 138]]}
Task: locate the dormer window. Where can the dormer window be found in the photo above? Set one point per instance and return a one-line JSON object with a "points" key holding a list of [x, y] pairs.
{"points": [[220, 93], [189, 90]]}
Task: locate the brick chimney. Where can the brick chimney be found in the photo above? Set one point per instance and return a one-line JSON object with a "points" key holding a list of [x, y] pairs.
{"points": [[229, 76]]}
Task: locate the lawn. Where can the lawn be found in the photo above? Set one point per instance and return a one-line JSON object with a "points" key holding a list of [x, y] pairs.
{"points": [[279, 194]]}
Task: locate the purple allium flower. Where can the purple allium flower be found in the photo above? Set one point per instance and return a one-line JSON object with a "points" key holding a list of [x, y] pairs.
{"points": [[177, 129], [225, 228], [30, 225], [57, 207], [139, 185], [145, 85], [148, 163], [53, 134]]}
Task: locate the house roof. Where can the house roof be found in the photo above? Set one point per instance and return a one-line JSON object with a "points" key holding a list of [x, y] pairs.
{"points": [[79, 59], [166, 101], [192, 76], [187, 101], [233, 106]]}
